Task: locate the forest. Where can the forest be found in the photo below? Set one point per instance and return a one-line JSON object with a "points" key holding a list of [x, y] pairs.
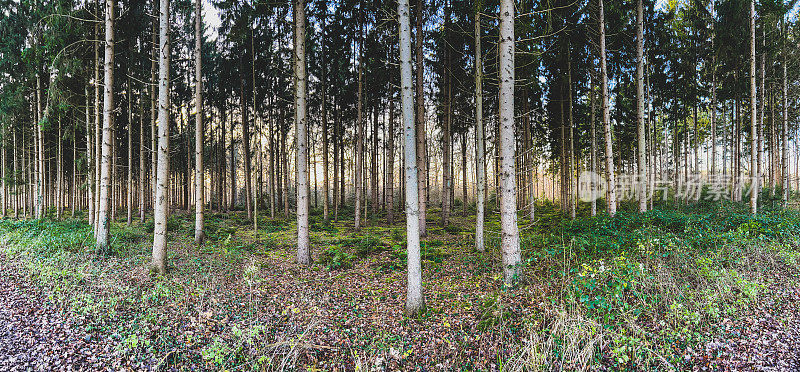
{"points": [[352, 185]]}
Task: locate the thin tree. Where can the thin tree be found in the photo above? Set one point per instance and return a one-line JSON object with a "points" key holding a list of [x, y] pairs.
{"points": [[641, 181], [415, 302], [359, 150], [162, 172], [199, 183], [785, 125], [303, 252], [103, 231], [610, 175], [422, 161], [508, 213], [89, 159], [753, 115]]}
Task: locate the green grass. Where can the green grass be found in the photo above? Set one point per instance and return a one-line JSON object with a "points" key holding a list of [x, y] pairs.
{"points": [[628, 292]]}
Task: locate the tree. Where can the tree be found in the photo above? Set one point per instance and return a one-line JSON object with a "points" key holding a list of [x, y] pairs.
{"points": [[508, 205], [415, 302], [753, 130], [609, 153], [303, 251], [162, 172], [103, 224], [199, 179], [480, 148], [641, 182]]}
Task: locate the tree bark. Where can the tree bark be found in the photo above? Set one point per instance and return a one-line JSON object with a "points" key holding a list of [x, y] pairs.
{"points": [[390, 161], [129, 188], [754, 187], [199, 179], [103, 231], [359, 150], [610, 172], [480, 148], [162, 178], [303, 243], [90, 161], [421, 153], [415, 302], [511, 256], [641, 181]]}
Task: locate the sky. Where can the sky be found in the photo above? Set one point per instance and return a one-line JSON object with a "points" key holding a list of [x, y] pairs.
{"points": [[211, 16]]}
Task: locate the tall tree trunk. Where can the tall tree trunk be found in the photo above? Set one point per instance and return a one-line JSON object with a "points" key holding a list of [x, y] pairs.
{"points": [[480, 145], [303, 251], [59, 199], [415, 302], [754, 187], [641, 181], [464, 192], [154, 82], [90, 161], [199, 179], [337, 162], [762, 105], [785, 124], [713, 91], [573, 200], [129, 187], [162, 179], [374, 163], [248, 171], [142, 165], [511, 256], [232, 203], [447, 177], [37, 138], [593, 156], [16, 177], [98, 136], [421, 153], [610, 172], [359, 150], [103, 231], [390, 161], [325, 153]]}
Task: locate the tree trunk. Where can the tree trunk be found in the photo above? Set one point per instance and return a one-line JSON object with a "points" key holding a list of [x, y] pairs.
{"points": [[641, 181], [610, 172], [246, 149], [421, 154], [162, 179], [447, 177], [98, 147], [390, 161], [142, 165], [129, 188], [754, 187], [325, 154], [480, 143], [785, 127], [593, 156], [90, 161], [415, 302], [511, 256], [359, 150], [199, 183], [303, 251], [103, 231]]}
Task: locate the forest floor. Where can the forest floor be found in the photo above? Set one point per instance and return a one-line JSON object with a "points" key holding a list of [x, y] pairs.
{"points": [[692, 288]]}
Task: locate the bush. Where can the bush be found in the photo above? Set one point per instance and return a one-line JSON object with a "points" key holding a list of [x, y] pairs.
{"points": [[335, 258]]}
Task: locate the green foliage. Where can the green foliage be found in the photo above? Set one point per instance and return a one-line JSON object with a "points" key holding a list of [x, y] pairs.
{"points": [[336, 258]]}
